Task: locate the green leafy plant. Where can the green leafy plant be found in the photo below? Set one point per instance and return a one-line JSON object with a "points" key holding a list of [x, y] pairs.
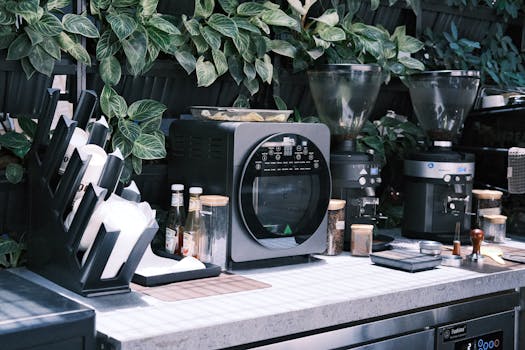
{"points": [[336, 37], [414, 4], [391, 137], [501, 60], [36, 34], [506, 8], [33, 34], [496, 57], [135, 130], [231, 37], [133, 35], [10, 252], [447, 50], [224, 36], [17, 144]]}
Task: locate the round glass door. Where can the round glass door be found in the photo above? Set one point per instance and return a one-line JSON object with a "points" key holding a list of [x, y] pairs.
{"points": [[284, 190]]}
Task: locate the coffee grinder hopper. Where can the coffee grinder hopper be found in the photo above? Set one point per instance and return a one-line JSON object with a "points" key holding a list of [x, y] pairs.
{"points": [[441, 101], [344, 95]]}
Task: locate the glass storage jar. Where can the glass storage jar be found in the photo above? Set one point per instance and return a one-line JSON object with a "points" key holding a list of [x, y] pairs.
{"points": [[361, 239], [336, 227], [486, 202], [215, 219], [494, 227]]}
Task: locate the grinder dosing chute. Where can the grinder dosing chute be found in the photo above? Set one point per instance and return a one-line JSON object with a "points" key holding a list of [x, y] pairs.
{"points": [[344, 95], [438, 182]]}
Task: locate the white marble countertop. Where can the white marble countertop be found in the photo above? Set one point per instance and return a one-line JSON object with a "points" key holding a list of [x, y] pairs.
{"points": [[303, 297]]}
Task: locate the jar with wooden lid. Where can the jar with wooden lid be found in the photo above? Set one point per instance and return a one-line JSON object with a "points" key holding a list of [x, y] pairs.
{"points": [[494, 227], [215, 219], [486, 202], [336, 227], [361, 239]]}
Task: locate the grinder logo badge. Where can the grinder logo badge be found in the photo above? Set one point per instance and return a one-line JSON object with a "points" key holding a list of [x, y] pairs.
{"points": [[430, 165], [454, 332]]}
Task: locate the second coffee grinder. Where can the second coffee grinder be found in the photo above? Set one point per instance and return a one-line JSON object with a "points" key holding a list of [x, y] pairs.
{"points": [[344, 95], [438, 182]]}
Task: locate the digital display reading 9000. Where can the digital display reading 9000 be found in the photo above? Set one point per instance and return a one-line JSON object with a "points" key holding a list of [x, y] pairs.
{"points": [[492, 341]]}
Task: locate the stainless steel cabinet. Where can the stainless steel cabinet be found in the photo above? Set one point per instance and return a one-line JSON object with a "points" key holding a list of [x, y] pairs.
{"points": [[488, 321], [420, 340]]}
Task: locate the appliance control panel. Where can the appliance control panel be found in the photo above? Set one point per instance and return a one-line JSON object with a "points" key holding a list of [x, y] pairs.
{"points": [[286, 154], [492, 341], [491, 332], [457, 179], [355, 172], [369, 174]]}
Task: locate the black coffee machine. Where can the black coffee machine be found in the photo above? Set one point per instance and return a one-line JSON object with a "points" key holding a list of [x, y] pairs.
{"points": [[438, 181], [344, 95]]}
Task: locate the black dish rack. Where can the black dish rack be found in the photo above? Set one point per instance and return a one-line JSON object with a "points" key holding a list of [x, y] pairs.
{"points": [[53, 250]]}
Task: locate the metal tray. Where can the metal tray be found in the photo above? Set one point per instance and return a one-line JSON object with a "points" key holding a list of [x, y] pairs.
{"points": [[240, 114], [381, 242], [405, 260]]}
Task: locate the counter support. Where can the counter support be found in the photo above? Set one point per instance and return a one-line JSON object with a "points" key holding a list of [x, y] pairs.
{"points": [[520, 331]]}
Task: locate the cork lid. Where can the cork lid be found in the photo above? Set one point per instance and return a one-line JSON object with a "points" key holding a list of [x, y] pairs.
{"points": [[495, 219], [487, 194], [361, 227], [336, 204], [214, 200]]}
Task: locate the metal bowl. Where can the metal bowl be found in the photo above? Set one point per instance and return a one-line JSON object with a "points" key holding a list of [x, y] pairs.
{"points": [[430, 247], [451, 260]]}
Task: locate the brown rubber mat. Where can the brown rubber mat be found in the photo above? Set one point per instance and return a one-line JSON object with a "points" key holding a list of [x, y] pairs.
{"points": [[223, 284]]}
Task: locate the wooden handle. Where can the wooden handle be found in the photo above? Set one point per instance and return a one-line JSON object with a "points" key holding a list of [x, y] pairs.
{"points": [[457, 248], [476, 236]]}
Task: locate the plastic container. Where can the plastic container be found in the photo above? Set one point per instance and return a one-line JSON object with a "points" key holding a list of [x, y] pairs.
{"points": [[486, 202], [361, 240], [494, 227], [215, 220], [336, 227], [240, 114]]}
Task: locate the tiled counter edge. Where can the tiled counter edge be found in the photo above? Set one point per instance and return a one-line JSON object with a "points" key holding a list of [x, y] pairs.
{"points": [[338, 291]]}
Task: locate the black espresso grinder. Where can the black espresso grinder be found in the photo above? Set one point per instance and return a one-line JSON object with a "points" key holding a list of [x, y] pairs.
{"points": [[344, 95], [438, 181]]}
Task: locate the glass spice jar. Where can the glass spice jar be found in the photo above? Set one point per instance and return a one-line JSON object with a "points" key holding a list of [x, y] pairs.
{"points": [[336, 227]]}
